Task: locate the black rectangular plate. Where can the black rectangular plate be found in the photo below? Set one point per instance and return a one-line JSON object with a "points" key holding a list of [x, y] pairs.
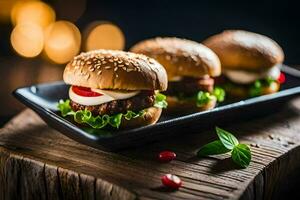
{"points": [[43, 100]]}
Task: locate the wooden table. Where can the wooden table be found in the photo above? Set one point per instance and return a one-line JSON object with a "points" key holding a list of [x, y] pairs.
{"points": [[37, 162]]}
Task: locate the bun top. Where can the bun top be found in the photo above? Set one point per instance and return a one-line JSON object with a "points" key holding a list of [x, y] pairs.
{"points": [[239, 49], [111, 69], [181, 57]]}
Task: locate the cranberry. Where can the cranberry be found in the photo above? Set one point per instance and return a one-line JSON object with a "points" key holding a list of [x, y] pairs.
{"points": [[171, 181], [281, 78], [166, 156]]}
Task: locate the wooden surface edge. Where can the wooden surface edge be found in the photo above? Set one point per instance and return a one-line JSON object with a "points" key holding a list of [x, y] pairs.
{"points": [[25, 178]]}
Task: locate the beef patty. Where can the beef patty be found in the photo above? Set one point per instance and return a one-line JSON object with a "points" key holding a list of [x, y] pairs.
{"points": [[190, 86], [144, 99]]}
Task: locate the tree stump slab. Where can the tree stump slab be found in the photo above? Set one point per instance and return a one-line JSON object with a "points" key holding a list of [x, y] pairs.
{"points": [[37, 162]]}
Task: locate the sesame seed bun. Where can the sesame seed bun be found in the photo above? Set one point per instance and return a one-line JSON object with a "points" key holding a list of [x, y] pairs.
{"points": [[176, 105], [239, 49], [111, 69], [181, 57], [151, 116]]}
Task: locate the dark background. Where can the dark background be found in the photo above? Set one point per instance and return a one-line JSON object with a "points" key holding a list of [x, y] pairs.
{"points": [[189, 19]]}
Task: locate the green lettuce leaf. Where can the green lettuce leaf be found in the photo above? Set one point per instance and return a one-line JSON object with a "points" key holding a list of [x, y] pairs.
{"points": [[160, 101], [257, 87], [203, 98], [219, 93], [98, 122]]}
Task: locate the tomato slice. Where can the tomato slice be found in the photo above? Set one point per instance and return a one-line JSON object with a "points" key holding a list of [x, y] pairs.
{"points": [[281, 78], [85, 92]]}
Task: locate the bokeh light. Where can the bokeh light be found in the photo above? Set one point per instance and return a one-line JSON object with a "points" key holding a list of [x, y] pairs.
{"points": [[36, 12], [62, 41], [27, 39], [104, 35]]}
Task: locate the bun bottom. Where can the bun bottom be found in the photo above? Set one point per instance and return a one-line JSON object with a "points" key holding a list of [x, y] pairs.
{"points": [[151, 116], [187, 106], [243, 92]]}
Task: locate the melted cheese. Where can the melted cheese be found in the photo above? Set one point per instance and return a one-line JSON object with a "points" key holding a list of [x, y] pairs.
{"points": [[107, 96], [246, 77]]}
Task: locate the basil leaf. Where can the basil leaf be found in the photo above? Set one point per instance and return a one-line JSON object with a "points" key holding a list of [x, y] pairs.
{"points": [[227, 139], [160, 101], [98, 122], [213, 148], [219, 93], [241, 155]]}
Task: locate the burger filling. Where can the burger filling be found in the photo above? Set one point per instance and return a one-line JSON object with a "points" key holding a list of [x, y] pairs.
{"points": [[99, 108], [201, 90], [252, 83]]}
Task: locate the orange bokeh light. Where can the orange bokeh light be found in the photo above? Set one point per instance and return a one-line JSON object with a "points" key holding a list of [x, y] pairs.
{"points": [[103, 35], [27, 39], [62, 41], [32, 11]]}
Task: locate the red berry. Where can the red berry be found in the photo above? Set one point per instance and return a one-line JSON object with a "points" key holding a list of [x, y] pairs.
{"points": [[171, 181], [281, 78], [166, 156]]}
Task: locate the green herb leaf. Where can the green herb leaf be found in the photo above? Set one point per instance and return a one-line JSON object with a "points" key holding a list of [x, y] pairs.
{"points": [[98, 122], [203, 98], [219, 93], [241, 155], [227, 139], [160, 101], [213, 148]]}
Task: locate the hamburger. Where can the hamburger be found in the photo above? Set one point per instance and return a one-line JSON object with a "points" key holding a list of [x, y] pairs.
{"points": [[190, 67], [110, 88], [250, 62]]}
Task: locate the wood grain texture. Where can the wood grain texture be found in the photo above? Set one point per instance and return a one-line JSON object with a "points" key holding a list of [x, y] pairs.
{"points": [[37, 162]]}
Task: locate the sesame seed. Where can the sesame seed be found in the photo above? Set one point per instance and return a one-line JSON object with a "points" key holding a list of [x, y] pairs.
{"points": [[115, 64], [87, 76], [120, 61], [115, 59], [104, 62], [117, 75], [99, 72], [129, 69], [115, 69], [127, 63], [121, 65], [111, 60], [107, 67]]}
